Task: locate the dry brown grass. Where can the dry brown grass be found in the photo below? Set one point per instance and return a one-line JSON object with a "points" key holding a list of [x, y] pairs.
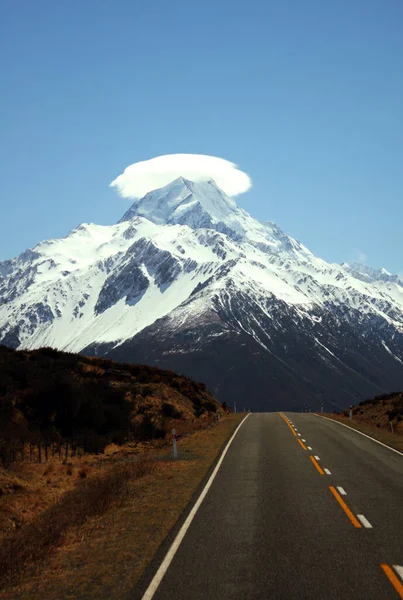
{"points": [[93, 497], [105, 557]]}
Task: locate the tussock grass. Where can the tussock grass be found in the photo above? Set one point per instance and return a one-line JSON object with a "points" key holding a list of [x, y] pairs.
{"points": [[89, 498]]}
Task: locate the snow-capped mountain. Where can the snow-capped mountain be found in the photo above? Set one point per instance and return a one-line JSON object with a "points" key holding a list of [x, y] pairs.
{"points": [[189, 280]]}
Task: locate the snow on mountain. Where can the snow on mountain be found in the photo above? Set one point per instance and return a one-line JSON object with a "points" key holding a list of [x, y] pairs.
{"points": [[187, 268]]}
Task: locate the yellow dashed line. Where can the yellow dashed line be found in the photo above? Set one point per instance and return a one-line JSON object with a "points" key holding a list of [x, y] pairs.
{"points": [[285, 420], [316, 464], [393, 579], [344, 506], [302, 445]]}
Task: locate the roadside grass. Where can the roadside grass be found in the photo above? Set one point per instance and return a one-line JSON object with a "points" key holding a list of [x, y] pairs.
{"points": [[32, 543], [104, 555], [394, 440]]}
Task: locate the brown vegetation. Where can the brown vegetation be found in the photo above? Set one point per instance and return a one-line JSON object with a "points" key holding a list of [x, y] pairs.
{"points": [[380, 417], [89, 498], [104, 557], [56, 403], [74, 432]]}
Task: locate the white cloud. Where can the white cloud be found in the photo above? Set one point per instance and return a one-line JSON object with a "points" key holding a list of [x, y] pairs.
{"points": [[147, 175]]}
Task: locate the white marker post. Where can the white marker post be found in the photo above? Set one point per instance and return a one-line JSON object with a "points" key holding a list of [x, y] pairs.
{"points": [[175, 449], [234, 407], [321, 408], [351, 412]]}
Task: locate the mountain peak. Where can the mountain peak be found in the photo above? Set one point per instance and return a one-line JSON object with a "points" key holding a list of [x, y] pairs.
{"points": [[369, 274], [197, 204]]}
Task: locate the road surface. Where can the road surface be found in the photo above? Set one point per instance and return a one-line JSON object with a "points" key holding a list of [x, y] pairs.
{"points": [[278, 523]]}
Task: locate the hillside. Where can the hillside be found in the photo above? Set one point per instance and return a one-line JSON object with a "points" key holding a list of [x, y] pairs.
{"points": [[381, 412], [53, 396]]}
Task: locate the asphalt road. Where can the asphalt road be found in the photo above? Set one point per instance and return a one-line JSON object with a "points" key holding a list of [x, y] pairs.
{"points": [[271, 527]]}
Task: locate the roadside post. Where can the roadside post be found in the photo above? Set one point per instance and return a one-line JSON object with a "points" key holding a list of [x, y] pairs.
{"points": [[351, 412], [219, 416], [175, 449], [321, 408], [391, 426], [234, 408]]}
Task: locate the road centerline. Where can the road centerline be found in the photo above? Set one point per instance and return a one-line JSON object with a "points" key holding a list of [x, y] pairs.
{"points": [[316, 464], [302, 444], [364, 521], [393, 579], [286, 421], [344, 506]]}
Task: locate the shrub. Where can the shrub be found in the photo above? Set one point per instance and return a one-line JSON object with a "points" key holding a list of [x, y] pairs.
{"points": [[95, 444], [147, 391], [210, 406], [148, 429], [393, 413], [83, 472], [168, 410]]}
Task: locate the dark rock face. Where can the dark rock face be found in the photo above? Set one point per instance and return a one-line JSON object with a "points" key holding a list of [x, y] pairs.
{"points": [[129, 282], [276, 358], [35, 315]]}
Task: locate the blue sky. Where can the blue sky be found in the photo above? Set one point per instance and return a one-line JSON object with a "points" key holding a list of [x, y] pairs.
{"points": [[306, 97]]}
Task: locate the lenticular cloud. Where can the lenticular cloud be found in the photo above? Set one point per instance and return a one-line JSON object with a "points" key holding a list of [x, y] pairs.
{"points": [[142, 177]]}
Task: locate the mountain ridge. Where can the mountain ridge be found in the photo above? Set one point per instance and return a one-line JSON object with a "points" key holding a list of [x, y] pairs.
{"points": [[189, 269]]}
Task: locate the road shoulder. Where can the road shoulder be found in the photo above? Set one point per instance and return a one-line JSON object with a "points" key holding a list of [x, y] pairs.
{"points": [[107, 557]]}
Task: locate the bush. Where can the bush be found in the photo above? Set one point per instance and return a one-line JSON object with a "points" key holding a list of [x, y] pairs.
{"points": [[168, 410], [148, 430], [393, 413], [210, 406], [147, 391], [83, 472], [95, 444]]}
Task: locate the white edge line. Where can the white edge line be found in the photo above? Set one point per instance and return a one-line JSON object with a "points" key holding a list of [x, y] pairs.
{"points": [[309, 448], [361, 433], [327, 471], [156, 580], [304, 440], [317, 458], [342, 491], [299, 435], [364, 521], [399, 570]]}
